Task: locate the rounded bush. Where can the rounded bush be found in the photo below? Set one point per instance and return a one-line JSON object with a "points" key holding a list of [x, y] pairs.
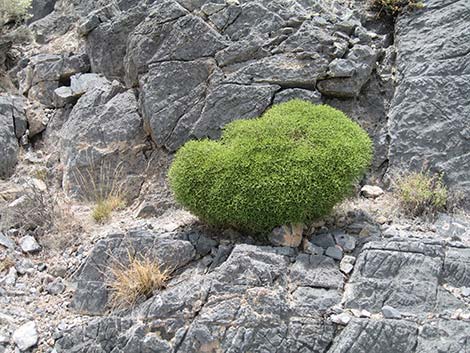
{"points": [[291, 165]]}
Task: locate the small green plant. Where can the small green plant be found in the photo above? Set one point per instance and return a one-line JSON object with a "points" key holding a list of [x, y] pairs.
{"points": [[421, 194], [137, 279], [292, 165], [395, 7], [14, 10]]}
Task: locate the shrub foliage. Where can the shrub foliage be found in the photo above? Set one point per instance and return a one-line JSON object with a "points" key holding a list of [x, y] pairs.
{"points": [[291, 165]]}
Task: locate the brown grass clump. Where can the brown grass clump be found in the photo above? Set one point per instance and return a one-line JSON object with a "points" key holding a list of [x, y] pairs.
{"points": [[102, 184], [421, 194], [103, 208], [6, 264], [138, 279]]}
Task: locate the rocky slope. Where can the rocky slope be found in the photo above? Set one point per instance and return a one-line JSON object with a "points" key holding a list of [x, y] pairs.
{"points": [[107, 90]]}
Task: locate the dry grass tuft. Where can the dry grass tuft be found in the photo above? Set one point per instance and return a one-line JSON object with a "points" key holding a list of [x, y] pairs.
{"points": [[102, 184], [421, 194], [6, 264], [138, 279], [103, 208]]}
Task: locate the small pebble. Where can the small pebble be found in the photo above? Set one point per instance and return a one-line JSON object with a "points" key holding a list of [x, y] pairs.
{"points": [[26, 336], [390, 312], [334, 252], [347, 264], [29, 245], [341, 319]]}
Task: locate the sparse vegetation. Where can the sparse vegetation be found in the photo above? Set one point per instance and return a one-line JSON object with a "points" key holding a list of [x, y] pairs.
{"points": [[137, 279], [395, 7], [292, 165], [420, 193], [38, 210], [6, 264], [101, 184], [103, 208], [14, 10]]}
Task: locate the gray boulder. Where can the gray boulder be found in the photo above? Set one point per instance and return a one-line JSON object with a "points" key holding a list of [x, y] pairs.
{"points": [[228, 102], [92, 293], [29, 244], [147, 37], [251, 17], [102, 144], [390, 312], [96, 17], [41, 8], [52, 26], [190, 38], [46, 72], [173, 93], [106, 44], [202, 108], [79, 85]]}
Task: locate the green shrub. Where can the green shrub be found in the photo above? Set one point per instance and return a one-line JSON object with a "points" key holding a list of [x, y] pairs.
{"points": [[291, 165], [14, 10], [421, 194], [395, 7]]}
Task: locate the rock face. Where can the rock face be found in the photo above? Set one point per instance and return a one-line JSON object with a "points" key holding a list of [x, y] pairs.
{"points": [[231, 308], [428, 119], [200, 65], [255, 298], [46, 72], [103, 143], [197, 65], [92, 294], [12, 128]]}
